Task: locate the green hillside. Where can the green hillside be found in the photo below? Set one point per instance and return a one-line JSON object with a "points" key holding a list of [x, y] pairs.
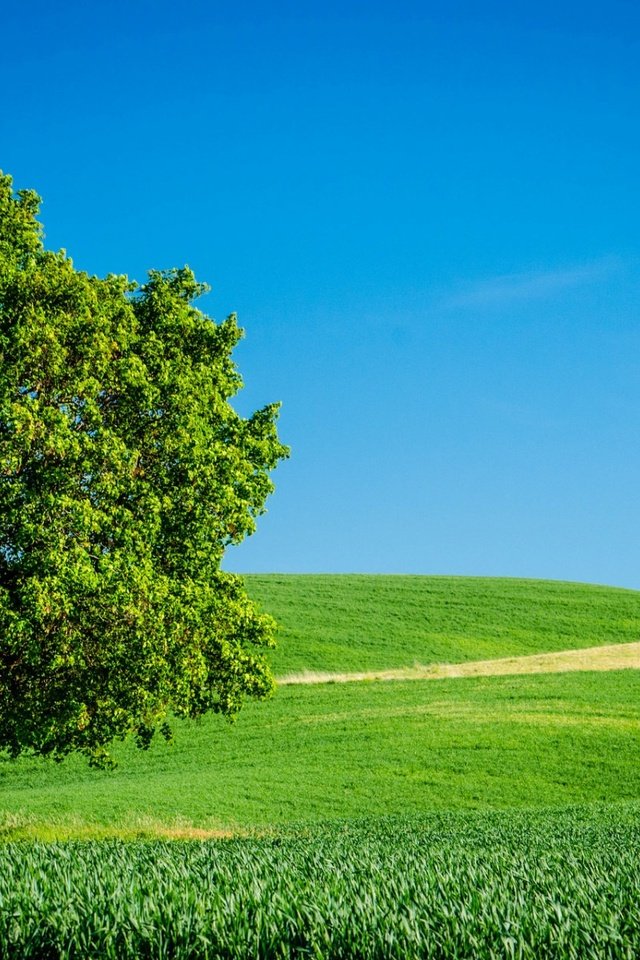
{"points": [[359, 749], [346, 623], [368, 749]]}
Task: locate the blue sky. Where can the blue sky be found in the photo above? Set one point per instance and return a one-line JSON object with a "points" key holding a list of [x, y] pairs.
{"points": [[426, 216]]}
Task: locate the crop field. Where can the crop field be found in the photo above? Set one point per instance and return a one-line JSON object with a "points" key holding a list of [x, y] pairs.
{"points": [[559, 884], [469, 816]]}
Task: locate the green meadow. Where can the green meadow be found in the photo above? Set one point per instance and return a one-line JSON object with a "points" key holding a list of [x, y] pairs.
{"points": [[353, 750], [490, 816], [375, 748], [357, 623]]}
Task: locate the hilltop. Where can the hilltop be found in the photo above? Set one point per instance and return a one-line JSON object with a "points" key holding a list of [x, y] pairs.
{"points": [[370, 622]]}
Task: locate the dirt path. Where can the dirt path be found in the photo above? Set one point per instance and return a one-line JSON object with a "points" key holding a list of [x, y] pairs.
{"points": [[616, 656]]}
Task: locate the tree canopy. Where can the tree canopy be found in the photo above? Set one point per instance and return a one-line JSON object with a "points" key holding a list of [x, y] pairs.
{"points": [[125, 472]]}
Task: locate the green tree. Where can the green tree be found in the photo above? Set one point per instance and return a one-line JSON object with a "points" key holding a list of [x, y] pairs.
{"points": [[124, 474]]}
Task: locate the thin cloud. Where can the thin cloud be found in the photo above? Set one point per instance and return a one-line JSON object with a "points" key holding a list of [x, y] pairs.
{"points": [[517, 287]]}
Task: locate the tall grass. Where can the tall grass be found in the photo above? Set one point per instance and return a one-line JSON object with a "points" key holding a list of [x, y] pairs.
{"points": [[545, 885]]}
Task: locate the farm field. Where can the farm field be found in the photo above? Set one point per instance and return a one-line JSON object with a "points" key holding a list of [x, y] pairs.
{"points": [[353, 750], [361, 623], [372, 749], [530, 885], [477, 816]]}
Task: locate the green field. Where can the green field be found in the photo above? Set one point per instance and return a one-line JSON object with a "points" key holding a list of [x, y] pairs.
{"points": [[359, 749], [471, 817], [482, 887], [364, 749], [352, 623]]}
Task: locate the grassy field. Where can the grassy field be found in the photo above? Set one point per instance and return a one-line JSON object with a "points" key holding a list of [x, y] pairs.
{"points": [[356, 623], [486, 816], [533, 886], [369, 749], [357, 749], [352, 750]]}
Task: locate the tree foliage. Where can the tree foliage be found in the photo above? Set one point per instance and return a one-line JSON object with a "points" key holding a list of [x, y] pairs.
{"points": [[125, 473]]}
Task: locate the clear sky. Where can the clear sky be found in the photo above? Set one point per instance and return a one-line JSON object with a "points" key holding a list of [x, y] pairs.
{"points": [[427, 218]]}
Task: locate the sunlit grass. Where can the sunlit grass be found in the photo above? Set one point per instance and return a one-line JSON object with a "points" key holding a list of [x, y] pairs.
{"points": [[359, 749], [481, 816], [356, 623], [552, 884]]}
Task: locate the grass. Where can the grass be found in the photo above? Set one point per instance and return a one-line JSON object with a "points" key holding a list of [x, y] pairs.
{"points": [[484, 816], [560, 884], [371, 749], [359, 623], [617, 656], [353, 750]]}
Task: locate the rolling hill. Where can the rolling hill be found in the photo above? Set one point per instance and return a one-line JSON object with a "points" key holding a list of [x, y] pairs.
{"points": [[365, 748]]}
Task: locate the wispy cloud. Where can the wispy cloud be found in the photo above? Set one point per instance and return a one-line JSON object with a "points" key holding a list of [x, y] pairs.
{"points": [[535, 285]]}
